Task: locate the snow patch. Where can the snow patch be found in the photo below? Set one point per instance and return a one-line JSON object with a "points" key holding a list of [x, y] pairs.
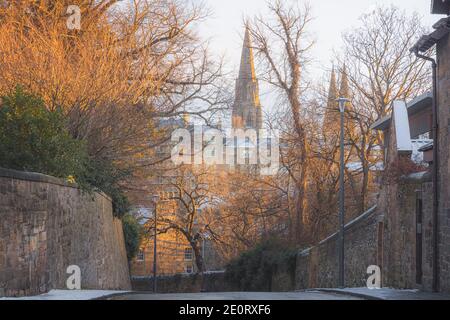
{"points": [[402, 132]]}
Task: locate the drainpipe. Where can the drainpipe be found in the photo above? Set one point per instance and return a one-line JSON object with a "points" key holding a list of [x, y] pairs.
{"points": [[435, 215]]}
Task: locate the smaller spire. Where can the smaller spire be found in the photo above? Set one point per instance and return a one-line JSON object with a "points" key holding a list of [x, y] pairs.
{"points": [[344, 91], [331, 116], [331, 100], [332, 91]]}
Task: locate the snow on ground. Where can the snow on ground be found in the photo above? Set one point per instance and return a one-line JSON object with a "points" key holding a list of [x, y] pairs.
{"points": [[70, 295]]}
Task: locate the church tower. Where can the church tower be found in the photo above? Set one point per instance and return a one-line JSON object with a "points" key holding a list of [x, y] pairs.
{"points": [[247, 111]]}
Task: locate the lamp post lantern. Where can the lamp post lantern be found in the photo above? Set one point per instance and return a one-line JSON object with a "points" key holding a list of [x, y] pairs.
{"points": [[155, 199], [342, 101]]}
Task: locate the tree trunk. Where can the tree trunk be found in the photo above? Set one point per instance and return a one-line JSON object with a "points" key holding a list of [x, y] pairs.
{"points": [[198, 257]]}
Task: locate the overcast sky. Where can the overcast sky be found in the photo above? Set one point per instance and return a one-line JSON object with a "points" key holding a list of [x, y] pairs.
{"points": [[331, 18]]}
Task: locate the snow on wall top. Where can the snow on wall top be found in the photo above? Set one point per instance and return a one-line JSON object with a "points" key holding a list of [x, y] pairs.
{"points": [[402, 132]]}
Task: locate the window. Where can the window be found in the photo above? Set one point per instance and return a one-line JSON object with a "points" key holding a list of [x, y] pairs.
{"points": [[188, 268], [188, 254], [140, 256]]}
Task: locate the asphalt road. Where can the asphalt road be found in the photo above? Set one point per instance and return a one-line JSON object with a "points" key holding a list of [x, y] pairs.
{"points": [[309, 295]]}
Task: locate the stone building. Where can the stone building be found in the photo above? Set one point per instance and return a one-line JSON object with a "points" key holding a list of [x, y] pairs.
{"points": [[440, 38]]}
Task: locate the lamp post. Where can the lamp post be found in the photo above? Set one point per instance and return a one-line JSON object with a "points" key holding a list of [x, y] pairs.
{"points": [[342, 101], [155, 199]]}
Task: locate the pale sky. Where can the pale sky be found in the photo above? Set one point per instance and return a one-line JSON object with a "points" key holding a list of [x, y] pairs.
{"points": [[224, 29], [331, 18]]}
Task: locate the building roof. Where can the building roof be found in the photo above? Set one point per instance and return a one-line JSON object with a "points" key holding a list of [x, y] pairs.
{"points": [[418, 146], [426, 42], [426, 147], [415, 106]]}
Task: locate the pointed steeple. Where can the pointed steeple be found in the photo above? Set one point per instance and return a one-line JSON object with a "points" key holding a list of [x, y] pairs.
{"points": [[332, 92], [344, 90], [247, 68], [332, 112], [247, 106]]}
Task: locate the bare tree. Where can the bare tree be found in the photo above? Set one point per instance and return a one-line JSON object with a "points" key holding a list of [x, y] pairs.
{"points": [[281, 44], [191, 188], [132, 64], [380, 69]]}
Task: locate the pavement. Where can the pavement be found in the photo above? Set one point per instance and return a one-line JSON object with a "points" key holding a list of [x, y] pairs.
{"points": [[388, 294], [314, 294], [70, 295], [264, 296]]}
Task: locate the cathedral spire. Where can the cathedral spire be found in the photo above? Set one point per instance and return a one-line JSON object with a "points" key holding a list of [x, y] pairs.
{"points": [[247, 68], [331, 112], [247, 106], [344, 90]]}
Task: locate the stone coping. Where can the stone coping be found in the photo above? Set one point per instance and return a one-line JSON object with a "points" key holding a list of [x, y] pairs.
{"points": [[39, 177], [418, 177]]}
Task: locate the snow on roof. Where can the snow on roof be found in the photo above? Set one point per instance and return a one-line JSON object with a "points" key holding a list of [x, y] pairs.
{"points": [[417, 153], [415, 106], [402, 132], [357, 166]]}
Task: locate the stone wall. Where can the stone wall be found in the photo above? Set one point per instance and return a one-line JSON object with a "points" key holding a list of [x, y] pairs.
{"points": [[427, 231], [317, 267], [47, 225], [398, 206], [443, 59], [385, 236]]}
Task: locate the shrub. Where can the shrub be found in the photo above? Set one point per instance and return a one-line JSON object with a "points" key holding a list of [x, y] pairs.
{"points": [[103, 175], [254, 269], [33, 138], [132, 232]]}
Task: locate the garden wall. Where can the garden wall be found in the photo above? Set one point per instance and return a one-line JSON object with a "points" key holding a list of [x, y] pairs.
{"points": [[47, 225], [317, 267]]}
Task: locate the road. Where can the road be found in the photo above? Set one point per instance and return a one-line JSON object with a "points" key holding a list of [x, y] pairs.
{"points": [[309, 295]]}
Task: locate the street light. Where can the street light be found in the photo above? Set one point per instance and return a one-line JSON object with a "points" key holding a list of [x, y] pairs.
{"points": [[155, 199], [342, 101]]}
